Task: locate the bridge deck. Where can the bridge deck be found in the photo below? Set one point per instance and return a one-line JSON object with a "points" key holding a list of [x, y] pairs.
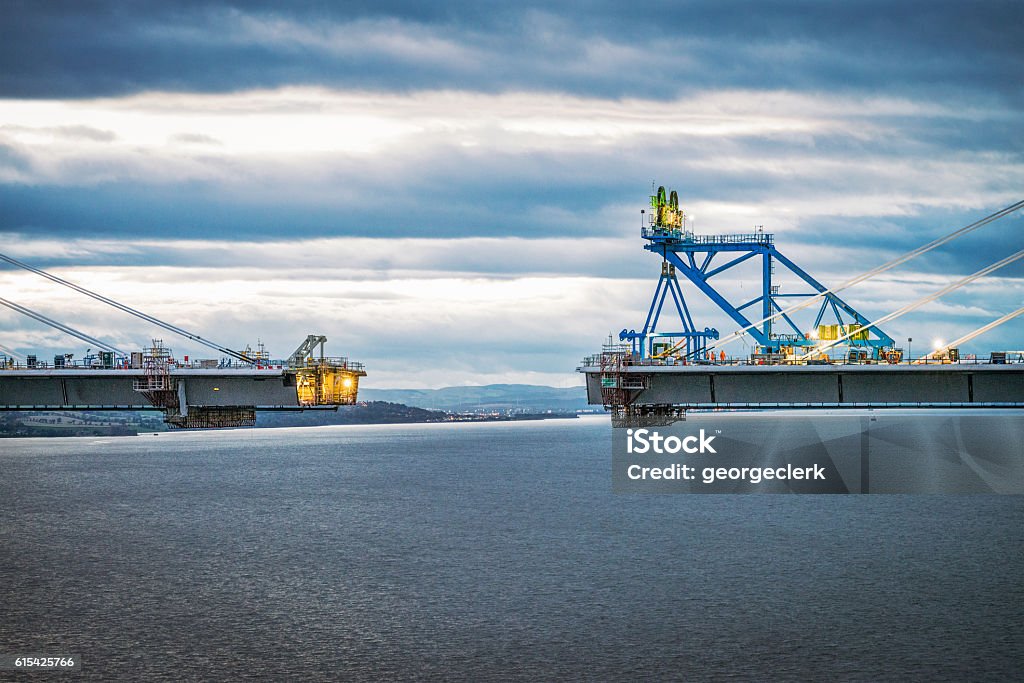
{"points": [[113, 389], [785, 386]]}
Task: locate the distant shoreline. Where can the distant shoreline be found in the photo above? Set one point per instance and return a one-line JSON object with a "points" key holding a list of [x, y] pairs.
{"points": [[55, 424]]}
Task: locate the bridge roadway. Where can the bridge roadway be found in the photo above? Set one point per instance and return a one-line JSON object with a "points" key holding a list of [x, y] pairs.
{"points": [[957, 385], [95, 389]]}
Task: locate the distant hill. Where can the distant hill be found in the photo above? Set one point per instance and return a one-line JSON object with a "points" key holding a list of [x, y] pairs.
{"points": [[376, 406], [130, 423], [527, 397], [371, 412]]}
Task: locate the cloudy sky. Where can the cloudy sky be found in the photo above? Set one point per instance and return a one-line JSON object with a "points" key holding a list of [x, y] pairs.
{"points": [[451, 191]]}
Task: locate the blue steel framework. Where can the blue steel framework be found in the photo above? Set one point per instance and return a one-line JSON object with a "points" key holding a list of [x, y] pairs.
{"points": [[694, 341], [693, 255]]}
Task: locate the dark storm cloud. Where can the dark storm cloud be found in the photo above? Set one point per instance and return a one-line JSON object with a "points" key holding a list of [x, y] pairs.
{"points": [[127, 209], [611, 49]]}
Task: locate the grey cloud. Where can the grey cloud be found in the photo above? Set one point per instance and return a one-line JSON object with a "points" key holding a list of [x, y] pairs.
{"points": [[196, 139], [83, 133], [940, 53], [444, 192], [12, 158], [66, 132], [659, 49]]}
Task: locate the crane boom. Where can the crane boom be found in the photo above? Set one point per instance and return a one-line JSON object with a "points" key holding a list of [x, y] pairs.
{"points": [[298, 358]]}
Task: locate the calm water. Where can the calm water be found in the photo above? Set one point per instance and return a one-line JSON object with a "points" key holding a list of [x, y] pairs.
{"points": [[483, 552]]}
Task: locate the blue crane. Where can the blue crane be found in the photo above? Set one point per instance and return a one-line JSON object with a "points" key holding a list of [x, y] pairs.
{"points": [[700, 258]]}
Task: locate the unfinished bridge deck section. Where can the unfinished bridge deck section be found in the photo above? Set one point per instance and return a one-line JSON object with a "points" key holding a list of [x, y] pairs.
{"points": [[113, 389], [651, 387]]}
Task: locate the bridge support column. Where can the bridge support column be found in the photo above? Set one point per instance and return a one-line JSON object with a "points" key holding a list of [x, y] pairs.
{"points": [[182, 401]]}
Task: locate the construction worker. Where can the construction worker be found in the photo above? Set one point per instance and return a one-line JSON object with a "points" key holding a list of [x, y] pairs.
{"points": [[722, 356]]}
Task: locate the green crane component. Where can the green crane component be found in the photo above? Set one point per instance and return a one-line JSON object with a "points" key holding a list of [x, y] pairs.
{"points": [[666, 210]]}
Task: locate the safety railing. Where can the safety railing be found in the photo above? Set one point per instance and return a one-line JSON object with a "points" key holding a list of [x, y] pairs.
{"points": [[652, 232]]}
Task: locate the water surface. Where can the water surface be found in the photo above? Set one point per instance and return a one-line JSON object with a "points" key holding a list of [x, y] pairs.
{"points": [[482, 552]]}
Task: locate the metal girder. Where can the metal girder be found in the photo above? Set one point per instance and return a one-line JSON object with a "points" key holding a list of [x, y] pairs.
{"points": [[697, 278], [299, 356], [684, 251], [836, 302], [695, 341]]}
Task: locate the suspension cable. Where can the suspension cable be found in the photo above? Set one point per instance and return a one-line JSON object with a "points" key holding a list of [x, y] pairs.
{"points": [[871, 273], [60, 326], [920, 302], [128, 309], [978, 332], [10, 353]]}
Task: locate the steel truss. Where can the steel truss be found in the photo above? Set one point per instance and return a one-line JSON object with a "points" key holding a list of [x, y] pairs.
{"points": [[700, 258]]}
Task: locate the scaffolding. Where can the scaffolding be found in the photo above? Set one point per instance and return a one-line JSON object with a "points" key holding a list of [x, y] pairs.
{"points": [[156, 383], [619, 387], [213, 417]]}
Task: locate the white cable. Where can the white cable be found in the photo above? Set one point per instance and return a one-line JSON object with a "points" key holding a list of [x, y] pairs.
{"points": [[127, 309], [871, 273], [978, 332], [11, 353], [917, 304], [60, 326]]}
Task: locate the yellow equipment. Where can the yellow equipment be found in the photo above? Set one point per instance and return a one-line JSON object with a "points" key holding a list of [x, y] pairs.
{"points": [[324, 384]]}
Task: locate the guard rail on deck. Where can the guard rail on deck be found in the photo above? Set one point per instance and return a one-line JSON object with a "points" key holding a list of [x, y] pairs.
{"points": [[594, 361], [648, 232]]}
